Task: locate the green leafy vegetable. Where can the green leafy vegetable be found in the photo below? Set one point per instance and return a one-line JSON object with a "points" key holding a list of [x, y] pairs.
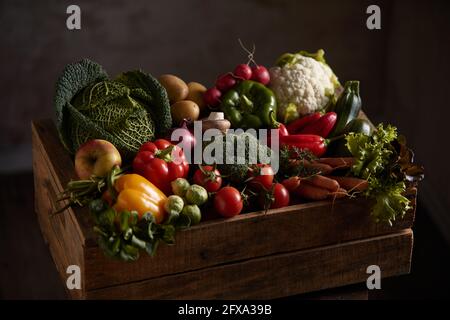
{"points": [[126, 111], [386, 163], [125, 239], [372, 153]]}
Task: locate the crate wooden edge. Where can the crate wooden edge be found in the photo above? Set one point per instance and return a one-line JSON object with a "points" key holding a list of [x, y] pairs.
{"points": [[61, 233], [101, 274], [278, 275]]}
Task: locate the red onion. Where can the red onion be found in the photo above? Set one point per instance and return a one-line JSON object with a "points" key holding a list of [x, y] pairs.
{"points": [[182, 135]]}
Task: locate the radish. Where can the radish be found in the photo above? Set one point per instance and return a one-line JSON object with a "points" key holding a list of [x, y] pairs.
{"points": [[212, 97], [225, 82], [260, 74], [243, 71]]}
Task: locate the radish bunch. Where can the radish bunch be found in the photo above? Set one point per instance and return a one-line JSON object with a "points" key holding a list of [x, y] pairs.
{"points": [[241, 72], [228, 80]]}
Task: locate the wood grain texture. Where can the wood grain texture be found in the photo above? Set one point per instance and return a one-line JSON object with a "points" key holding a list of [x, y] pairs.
{"points": [[211, 243], [61, 232], [216, 242], [278, 275]]}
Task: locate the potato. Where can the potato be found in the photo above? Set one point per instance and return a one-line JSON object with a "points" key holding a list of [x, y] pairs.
{"points": [[196, 91], [184, 109], [176, 88]]}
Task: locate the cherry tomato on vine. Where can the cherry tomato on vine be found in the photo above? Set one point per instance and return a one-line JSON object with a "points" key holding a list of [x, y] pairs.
{"points": [[228, 202], [276, 197], [260, 177], [208, 177]]}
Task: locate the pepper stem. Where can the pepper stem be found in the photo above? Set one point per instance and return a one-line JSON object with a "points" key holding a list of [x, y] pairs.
{"points": [[273, 121], [165, 154], [246, 103]]}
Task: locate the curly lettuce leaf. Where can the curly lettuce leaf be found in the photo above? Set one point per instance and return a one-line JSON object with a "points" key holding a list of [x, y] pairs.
{"points": [[375, 160], [372, 153], [390, 203]]}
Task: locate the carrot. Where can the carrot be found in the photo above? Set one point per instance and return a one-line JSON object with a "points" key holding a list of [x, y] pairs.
{"points": [[311, 192], [320, 167], [338, 162], [291, 183], [324, 182], [351, 183]]}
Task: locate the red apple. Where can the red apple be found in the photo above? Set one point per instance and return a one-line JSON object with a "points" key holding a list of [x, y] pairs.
{"points": [[96, 157]]}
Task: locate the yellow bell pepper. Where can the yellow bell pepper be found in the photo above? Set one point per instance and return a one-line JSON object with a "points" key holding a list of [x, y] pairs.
{"points": [[134, 192]]}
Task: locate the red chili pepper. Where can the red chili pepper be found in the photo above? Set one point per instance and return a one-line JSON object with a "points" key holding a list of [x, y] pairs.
{"points": [[297, 125], [282, 132], [314, 143], [321, 127]]}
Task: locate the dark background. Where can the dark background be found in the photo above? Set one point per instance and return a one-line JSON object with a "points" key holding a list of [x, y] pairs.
{"points": [[403, 69]]}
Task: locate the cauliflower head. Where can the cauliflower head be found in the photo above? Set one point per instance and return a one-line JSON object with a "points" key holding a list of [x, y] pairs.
{"points": [[303, 83]]}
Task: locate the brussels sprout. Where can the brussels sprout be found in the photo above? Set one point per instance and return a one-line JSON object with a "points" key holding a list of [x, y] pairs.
{"points": [[179, 186], [174, 205], [193, 212], [196, 194]]}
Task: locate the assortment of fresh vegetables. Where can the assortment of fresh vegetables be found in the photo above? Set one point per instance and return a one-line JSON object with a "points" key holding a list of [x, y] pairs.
{"points": [[327, 149]]}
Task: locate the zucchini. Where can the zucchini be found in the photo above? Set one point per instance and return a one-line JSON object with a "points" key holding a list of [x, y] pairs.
{"points": [[338, 147], [358, 126], [347, 107]]}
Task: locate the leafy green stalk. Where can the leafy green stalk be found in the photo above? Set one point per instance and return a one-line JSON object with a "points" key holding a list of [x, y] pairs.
{"points": [[124, 235]]}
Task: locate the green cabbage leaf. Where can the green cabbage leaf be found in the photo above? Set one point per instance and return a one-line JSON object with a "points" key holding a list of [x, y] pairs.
{"points": [[127, 111]]}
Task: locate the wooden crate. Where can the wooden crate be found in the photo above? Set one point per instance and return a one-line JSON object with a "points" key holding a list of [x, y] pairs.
{"points": [[296, 249]]}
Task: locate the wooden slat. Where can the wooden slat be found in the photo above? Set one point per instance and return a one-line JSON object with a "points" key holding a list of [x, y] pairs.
{"points": [[61, 232], [277, 275], [61, 167], [217, 242]]}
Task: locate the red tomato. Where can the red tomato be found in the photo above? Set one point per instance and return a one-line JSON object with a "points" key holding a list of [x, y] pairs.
{"points": [[277, 197], [228, 202], [261, 177], [209, 178]]}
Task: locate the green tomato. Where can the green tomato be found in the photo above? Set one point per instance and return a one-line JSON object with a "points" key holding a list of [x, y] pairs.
{"points": [[196, 194], [179, 186], [193, 212]]}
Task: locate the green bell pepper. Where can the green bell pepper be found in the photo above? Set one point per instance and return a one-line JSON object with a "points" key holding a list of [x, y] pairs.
{"points": [[250, 104]]}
